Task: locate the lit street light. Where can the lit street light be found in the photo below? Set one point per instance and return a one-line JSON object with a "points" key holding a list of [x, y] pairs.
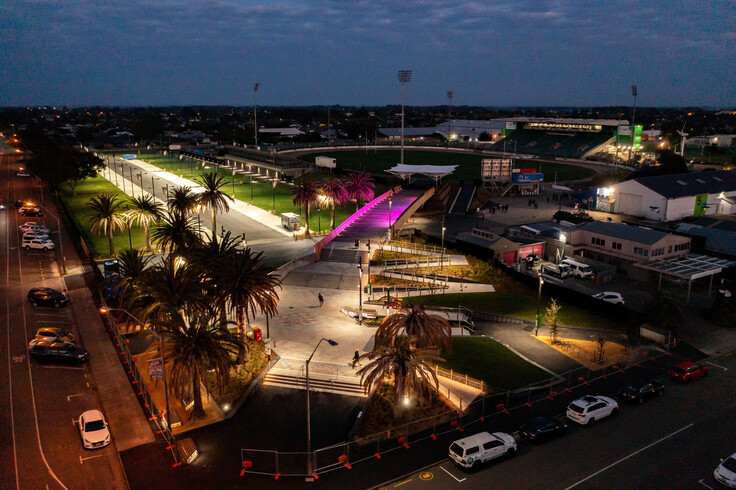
{"points": [[309, 415], [442, 256], [360, 292], [404, 78], [539, 299], [389, 218]]}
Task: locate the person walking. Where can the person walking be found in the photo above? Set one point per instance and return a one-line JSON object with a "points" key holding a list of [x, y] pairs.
{"points": [[321, 299], [356, 358]]}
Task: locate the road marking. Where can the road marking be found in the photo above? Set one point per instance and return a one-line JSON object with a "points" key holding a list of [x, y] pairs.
{"points": [[716, 365], [69, 397], [456, 478], [399, 484], [703, 483], [61, 367], [426, 476], [19, 359], [52, 321], [82, 460], [629, 456]]}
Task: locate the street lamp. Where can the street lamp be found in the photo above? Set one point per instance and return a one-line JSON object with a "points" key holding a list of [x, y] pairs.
{"points": [[389, 217], [106, 309], [255, 119], [449, 117], [309, 415], [539, 299], [404, 78], [360, 292], [563, 239], [199, 222], [442, 256]]}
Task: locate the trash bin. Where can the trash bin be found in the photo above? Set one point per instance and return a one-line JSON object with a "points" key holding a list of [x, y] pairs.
{"points": [[257, 335]]}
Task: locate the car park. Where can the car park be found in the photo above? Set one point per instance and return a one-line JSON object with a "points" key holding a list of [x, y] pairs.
{"points": [[471, 451], [38, 244], [93, 429], [638, 391], [540, 429], [32, 225], [687, 371], [49, 350], [47, 297], [725, 473], [55, 334], [35, 234], [610, 297], [589, 409]]}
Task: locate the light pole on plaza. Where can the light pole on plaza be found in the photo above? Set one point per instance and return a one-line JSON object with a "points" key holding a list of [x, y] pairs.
{"points": [[360, 292], [404, 78], [442, 256], [389, 218], [539, 299], [255, 119], [309, 415], [199, 222]]}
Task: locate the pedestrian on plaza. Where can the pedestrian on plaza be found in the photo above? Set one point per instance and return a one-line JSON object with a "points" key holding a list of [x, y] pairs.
{"points": [[356, 358], [321, 299]]}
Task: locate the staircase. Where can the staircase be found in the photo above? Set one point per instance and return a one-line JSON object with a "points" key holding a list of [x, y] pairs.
{"points": [[323, 382], [345, 255]]}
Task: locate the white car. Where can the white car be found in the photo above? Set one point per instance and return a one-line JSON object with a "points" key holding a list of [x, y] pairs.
{"points": [[726, 471], [35, 234], [610, 297], [32, 225], [93, 429], [38, 244], [479, 448], [589, 409]]}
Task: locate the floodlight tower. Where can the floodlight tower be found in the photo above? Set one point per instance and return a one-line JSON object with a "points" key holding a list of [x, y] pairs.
{"points": [[404, 78], [633, 119], [449, 117], [255, 119]]}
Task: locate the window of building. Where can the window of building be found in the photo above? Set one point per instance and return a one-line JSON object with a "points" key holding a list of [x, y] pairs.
{"points": [[598, 241], [616, 245]]}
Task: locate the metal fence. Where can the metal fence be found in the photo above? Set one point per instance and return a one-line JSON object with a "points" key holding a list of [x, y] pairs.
{"points": [[399, 246], [497, 403]]}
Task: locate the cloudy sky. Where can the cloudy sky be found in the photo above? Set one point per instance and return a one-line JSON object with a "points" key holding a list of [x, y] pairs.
{"points": [[304, 52]]}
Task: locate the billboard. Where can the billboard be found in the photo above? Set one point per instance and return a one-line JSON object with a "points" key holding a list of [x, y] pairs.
{"points": [[527, 178], [130, 157]]}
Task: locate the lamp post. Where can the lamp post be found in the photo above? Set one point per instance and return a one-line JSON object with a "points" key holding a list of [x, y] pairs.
{"points": [[449, 117], [250, 172], [389, 217], [442, 256], [563, 239], [360, 292], [273, 196], [199, 222], [61, 241], [539, 299], [404, 78], [107, 309], [255, 119], [309, 415], [233, 181], [634, 92]]}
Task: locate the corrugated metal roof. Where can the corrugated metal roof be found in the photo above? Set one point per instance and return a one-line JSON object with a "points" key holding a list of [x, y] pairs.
{"points": [[681, 185], [624, 232]]}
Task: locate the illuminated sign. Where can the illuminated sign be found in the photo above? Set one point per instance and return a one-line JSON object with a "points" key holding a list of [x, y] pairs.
{"points": [[527, 178], [587, 128]]}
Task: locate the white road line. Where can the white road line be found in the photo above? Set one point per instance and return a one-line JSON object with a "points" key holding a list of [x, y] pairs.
{"points": [[69, 397], [456, 478], [52, 321], [716, 365], [62, 367], [703, 483], [81, 459], [629, 456], [50, 314]]}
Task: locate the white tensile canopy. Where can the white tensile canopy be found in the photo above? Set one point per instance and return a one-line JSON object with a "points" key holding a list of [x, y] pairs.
{"points": [[435, 171]]}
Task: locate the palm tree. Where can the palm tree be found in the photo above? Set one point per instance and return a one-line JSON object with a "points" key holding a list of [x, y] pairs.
{"points": [[194, 347], [422, 329], [210, 257], [213, 197], [305, 193], [176, 233], [145, 210], [131, 265], [182, 200], [106, 216], [360, 187], [248, 286], [404, 366], [335, 195]]}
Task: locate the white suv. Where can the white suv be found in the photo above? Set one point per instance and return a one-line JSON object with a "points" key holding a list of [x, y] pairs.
{"points": [[588, 409], [32, 225], [38, 244], [29, 234]]}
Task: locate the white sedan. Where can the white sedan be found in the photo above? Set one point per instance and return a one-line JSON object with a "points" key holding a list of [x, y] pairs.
{"points": [[610, 297], [726, 471], [93, 429], [32, 225], [38, 244], [30, 234]]}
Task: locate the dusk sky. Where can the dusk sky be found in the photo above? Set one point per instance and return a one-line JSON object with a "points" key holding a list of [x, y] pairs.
{"points": [[489, 53]]}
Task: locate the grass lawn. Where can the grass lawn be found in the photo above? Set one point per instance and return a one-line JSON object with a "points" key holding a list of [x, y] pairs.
{"points": [[486, 359], [517, 305], [376, 162], [77, 206]]}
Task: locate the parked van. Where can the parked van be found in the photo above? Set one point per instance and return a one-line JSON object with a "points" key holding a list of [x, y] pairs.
{"points": [[482, 447], [557, 270], [579, 269]]}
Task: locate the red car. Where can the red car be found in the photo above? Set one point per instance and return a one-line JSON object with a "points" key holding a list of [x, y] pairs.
{"points": [[687, 371]]}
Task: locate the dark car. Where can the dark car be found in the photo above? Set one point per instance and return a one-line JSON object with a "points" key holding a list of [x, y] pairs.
{"points": [[541, 429], [638, 391], [47, 297], [47, 350], [31, 212], [687, 371]]}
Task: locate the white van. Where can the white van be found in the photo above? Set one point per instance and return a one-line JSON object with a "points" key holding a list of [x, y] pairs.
{"points": [[479, 448], [579, 269]]}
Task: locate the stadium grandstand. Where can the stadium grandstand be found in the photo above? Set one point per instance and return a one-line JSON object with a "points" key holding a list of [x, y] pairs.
{"points": [[557, 138]]}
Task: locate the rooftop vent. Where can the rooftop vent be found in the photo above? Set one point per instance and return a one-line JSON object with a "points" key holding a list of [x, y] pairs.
{"points": [[681, 182]]}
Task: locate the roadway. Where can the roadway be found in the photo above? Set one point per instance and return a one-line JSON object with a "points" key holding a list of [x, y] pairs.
{"points": [[40, 442]]}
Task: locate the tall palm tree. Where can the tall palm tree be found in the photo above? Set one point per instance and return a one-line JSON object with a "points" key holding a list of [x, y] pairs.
{"points": [[360, 187], [404, 366], [210, 257], [195, 346], [335, 195], [421, 329], [176, 233], [146, 211], [305, 193], [213, 197], [131, 265], [183, 200], [106, 216], [249, 287]]}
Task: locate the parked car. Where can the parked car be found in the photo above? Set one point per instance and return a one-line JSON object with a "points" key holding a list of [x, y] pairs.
{"points": [[542, 428], [22, 173], [610, 297], [589, 409], [56, 334], [47, 297], [687, 371], [38, 244], [638, 391], [726, 471], [32, 225], [93, 429], [31, 211], [35, 234], [479, 448], [49, 350]]}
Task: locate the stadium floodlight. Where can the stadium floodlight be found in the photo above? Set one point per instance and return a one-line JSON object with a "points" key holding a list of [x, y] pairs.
{"points": [[404, 78], [633, 90], [255, 119], [449, 117]]}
